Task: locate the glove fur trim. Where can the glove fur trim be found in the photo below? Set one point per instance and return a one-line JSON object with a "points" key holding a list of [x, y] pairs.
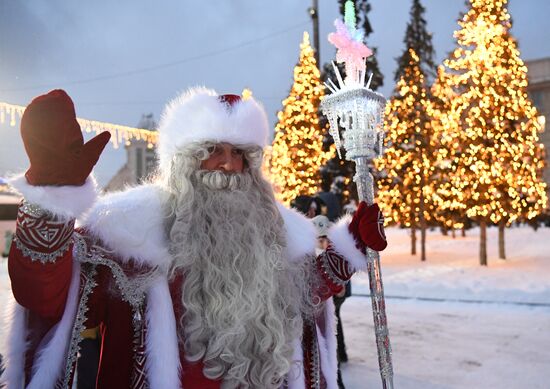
{"points": [[343, 242], [66, 202]]}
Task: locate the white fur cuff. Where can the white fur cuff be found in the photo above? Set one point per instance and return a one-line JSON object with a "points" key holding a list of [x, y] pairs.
{"points": [[68, 202], [344, 243]]}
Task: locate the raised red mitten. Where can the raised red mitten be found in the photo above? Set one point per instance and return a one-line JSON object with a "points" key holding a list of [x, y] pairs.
{"points": [[367, 226], [54, 143]]}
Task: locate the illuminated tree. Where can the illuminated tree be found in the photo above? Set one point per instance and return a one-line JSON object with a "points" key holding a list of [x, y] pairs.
{"points": [[406, 170], [296, 154], [450, 210], [497, 161], [419, 40], [407, 164]]}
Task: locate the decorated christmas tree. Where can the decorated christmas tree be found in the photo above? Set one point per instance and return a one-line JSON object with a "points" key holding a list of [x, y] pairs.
{"points": [[407, 165], [497, 160], [297, 153], [407, 169], [419, 40], [450, 210]]}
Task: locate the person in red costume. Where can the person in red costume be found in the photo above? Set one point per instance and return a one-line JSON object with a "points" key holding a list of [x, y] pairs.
{"points": [[198, 279]]}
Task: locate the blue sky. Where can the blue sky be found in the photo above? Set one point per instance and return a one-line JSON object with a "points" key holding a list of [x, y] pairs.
{"points": [[121, 59]]}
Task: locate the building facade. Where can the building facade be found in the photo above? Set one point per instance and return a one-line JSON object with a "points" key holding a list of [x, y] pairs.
{"points": [[141, 160], [539, 92]]}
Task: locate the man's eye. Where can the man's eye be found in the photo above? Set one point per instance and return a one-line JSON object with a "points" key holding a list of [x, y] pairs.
{"points": [[238, 152], [212, 149]]}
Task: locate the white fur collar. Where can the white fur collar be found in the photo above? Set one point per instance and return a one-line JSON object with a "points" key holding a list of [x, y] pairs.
{"points": [[132, 224], [301, 236]]}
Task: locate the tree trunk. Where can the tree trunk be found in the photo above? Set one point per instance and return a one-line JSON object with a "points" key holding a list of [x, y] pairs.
{"points": [[483, 243], [423, 242], [444, 230], [413, 239], [422, 235], [453, 233], [501, 244], [422, 221], [463, 232]]}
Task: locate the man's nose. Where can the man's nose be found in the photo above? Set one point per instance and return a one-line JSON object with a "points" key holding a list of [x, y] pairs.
{"points": [[226, 163]]}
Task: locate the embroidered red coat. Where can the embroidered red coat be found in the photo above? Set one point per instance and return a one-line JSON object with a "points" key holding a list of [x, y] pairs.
{"points": [[66, 279]]}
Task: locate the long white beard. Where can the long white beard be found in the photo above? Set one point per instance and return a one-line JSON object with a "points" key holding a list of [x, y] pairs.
{"points": [[242, 301]]}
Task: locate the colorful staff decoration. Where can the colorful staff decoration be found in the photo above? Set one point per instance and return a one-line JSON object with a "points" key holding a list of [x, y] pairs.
{"points": [[359, 111]]}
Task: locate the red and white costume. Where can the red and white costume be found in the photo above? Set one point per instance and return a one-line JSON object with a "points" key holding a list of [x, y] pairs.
{"points": [[66, 279]]}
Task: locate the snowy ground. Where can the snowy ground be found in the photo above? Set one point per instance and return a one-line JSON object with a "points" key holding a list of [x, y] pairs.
{"points": [[448, 344], [453, 324]]}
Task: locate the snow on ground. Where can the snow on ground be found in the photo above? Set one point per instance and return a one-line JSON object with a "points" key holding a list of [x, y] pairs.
{"points": [[446, 342], [450, 345], [452, 269]]}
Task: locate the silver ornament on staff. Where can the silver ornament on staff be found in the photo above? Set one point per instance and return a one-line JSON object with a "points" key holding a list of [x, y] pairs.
{"points": [[359, 112]]}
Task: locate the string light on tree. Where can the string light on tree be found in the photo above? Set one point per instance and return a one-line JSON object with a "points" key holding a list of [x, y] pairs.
{"points": [[297, 153], [408, 163], [246, 93], [407, 169], [450, 209], [494, 150]]}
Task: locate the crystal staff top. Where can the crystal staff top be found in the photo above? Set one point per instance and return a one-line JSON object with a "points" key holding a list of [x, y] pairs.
{"points": [[352, 105]]}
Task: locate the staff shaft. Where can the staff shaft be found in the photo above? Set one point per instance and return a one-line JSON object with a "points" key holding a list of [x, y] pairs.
{"points": [[365, 190]]}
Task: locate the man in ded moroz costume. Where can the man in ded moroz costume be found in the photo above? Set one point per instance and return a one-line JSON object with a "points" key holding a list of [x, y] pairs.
{"points": [[196, 280]]}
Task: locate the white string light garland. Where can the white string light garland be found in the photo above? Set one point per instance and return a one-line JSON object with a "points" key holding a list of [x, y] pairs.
{"points": [[119, 134]]}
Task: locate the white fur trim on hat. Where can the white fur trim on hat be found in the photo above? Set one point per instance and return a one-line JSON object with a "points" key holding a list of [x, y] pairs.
{"points": [[198, 115]]}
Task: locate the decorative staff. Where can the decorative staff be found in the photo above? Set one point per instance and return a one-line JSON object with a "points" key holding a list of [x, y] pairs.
{"points": [[359, 111]]}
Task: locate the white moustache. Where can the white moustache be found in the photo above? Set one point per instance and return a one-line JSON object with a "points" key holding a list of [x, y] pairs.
{"points": [[218, 180]]}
